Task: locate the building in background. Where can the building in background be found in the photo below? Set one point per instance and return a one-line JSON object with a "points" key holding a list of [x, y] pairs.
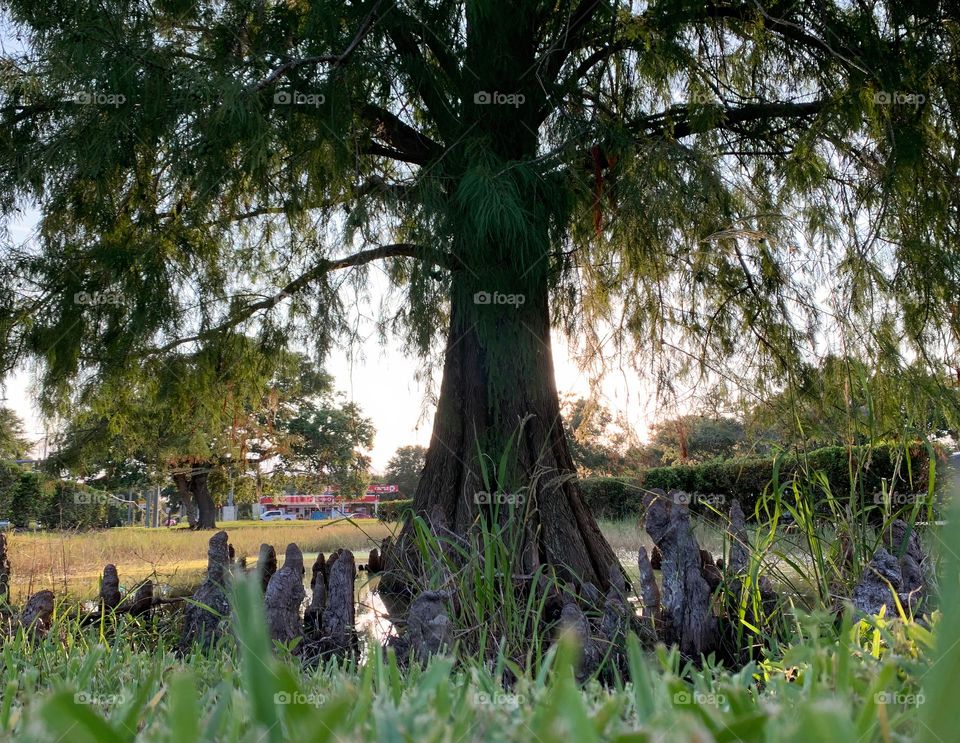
{"points": [[327, 505]]}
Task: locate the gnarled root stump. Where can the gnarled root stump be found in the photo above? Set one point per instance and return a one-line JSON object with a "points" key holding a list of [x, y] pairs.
{"points": [[37, 613], [283, 599], [904, 544], [208, 613], [873, 591], [897, 575], [374, 561], [888, 577], [685, 609], [649, 593], [313, 616], [266, 564], [109, 589], [330, 620], [139, 601], [339, 613], [429, 630]]}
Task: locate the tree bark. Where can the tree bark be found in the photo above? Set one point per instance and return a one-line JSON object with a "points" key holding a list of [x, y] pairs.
{"points": [[199, 489], [182, 481], [498, 382]]}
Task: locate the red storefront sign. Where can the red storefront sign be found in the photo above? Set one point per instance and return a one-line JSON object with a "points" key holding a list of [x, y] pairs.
{"points": [[326, 499]]}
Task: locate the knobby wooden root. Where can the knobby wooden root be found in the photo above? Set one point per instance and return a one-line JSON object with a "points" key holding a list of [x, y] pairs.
{"points": [[339, 613], [266, 564], [685, 605], [4, 573], [207, 615], [109, 589], [37, 613], [895, 576], [283, 598], [429, 629]]}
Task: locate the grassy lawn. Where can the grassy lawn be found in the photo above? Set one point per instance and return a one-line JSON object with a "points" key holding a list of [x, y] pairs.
{"points": [[71, 562]]}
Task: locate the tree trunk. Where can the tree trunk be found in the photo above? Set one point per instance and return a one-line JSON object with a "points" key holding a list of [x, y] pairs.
{"points": [[199, 489], [490, 391], [182, 481], [503, 210]]}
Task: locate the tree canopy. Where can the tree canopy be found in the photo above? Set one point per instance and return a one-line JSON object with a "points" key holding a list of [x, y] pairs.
{"points": [[711, 172], [14, 443], [404, 468]]}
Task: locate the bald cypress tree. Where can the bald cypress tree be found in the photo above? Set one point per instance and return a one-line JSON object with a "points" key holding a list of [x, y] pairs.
{"points": [[691, 181]]}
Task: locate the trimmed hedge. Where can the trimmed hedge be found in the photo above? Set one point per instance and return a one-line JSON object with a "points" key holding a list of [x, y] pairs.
{"points": [[392, 510], [745, 479]]}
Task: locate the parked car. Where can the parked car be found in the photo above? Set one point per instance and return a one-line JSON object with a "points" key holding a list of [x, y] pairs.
{"points": [[277, 515]]}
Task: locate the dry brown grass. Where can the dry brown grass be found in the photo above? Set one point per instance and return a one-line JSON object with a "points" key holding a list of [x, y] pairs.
{"points": [[71, 562]]}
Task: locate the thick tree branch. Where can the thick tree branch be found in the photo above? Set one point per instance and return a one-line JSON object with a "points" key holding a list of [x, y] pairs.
{"points": [[334, 60], [390, 129], [676, 121], [556, 56], [397, 250], [421, 77]]}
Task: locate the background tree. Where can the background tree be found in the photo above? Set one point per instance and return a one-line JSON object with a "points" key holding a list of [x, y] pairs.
{"points": [[404, 469], [597, 441], [216, 431], [695, 438], [14, 443], [691, 181]]}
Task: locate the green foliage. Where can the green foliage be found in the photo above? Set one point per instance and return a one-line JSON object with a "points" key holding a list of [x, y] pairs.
{"points": [[842, 400], [692, 439], [22, 494], [13, 443], [404, 469], [860, 472], [596, 441], [28, 497], [689, 183]]}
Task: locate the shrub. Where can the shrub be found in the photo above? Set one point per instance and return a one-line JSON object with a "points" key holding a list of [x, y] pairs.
{"points": [[393, 510], [22, 494], [857, 472]]}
